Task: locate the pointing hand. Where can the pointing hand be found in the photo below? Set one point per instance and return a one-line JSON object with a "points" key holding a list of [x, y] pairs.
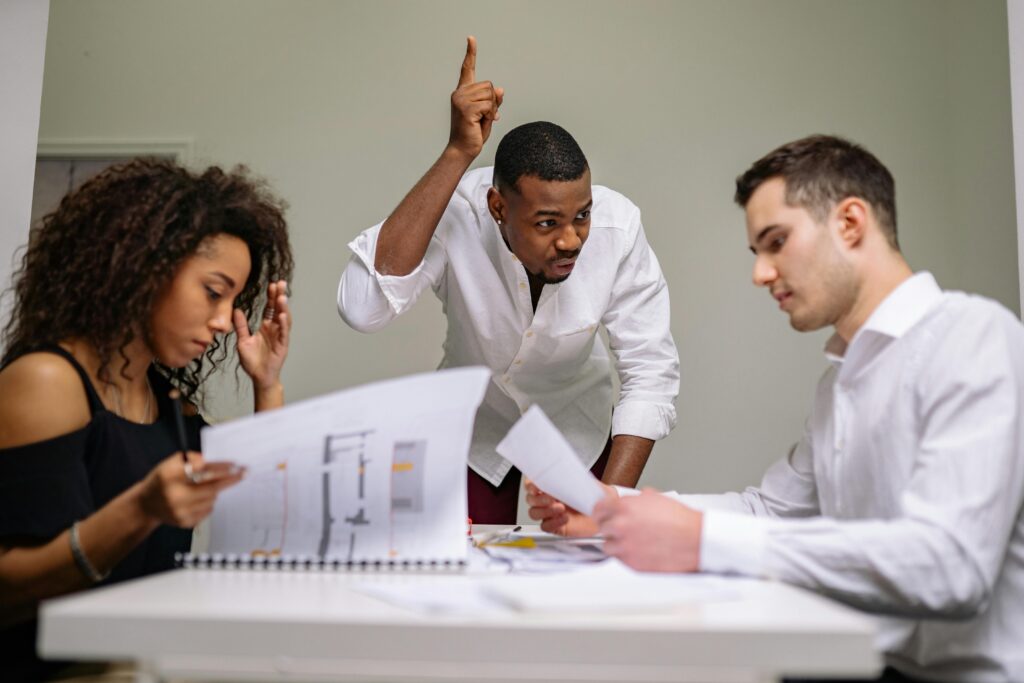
{"points": [[474, 107]]}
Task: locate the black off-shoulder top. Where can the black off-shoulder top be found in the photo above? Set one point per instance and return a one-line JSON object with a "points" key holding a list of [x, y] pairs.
{"points": [[48, 485]]}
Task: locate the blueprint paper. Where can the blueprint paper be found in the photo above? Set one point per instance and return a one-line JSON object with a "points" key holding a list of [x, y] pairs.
{"points": [[374, 473], [539, 450]]}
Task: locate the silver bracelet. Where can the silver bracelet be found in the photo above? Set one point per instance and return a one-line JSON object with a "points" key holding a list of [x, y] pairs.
{"points": [[83, 563]]}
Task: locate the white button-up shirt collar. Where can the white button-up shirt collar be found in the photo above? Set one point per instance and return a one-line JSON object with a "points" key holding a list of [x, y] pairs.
{"points": [[899, 311]]}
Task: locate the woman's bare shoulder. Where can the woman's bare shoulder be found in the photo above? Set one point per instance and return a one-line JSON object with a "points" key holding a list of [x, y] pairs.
{"points": [[41, 397]]}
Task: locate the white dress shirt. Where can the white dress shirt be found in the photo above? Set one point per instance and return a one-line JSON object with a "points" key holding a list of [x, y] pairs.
{"points": [[904, 495], [552, 357]]}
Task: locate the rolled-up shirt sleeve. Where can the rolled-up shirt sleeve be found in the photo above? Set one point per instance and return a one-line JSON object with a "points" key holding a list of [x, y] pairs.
{"points": [[368, 300], [637, 321]]}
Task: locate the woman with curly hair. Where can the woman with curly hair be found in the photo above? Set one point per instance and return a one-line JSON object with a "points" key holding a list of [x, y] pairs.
{"points": [[124, 294]]}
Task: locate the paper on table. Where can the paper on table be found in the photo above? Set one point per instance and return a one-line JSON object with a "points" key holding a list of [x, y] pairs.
{"points": [[544, 555], [607, 586], [539, 450], [456, 595]]}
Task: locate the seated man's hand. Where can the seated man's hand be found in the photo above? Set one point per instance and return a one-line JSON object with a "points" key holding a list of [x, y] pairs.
{"points": [[651, 532], [556, 517]]}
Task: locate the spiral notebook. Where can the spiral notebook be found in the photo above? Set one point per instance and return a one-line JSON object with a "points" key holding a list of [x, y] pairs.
{"points": [[370, 478]]}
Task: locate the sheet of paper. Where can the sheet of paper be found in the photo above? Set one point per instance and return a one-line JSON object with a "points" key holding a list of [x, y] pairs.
{"points": [[455, 595], [539, 450], [377, 472], [607, 586]]}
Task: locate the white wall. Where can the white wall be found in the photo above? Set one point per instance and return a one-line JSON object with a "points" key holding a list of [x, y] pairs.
{"points": [[343, 105], [22, 47]]}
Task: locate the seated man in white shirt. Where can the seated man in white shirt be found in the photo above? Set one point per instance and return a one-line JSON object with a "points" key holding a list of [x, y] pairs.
{"points": [[904, 495], [529, 260]]}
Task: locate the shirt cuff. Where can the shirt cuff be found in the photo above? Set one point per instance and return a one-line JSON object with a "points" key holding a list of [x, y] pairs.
{"points": [[645, 419], [399, 290], [732, 543], [625, 491]]}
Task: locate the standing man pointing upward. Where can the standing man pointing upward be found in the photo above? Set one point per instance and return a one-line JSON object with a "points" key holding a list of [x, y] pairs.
{"points": [[503, 249]]}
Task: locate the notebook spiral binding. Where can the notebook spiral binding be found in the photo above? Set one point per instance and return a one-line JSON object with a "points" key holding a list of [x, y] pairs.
{"points": [[313, 564]]}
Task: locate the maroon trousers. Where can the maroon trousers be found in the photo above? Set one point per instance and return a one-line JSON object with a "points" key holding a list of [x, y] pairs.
{"points": [[489, 504]]}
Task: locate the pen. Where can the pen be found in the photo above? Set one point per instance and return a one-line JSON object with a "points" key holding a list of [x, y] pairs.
{"points": [[179, 425]]}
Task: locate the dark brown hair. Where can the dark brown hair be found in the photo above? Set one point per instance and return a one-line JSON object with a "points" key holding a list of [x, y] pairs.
{"points": [[821, 170], [95, 267]]}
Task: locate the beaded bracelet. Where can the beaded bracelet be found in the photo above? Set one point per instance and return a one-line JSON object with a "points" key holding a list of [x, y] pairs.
{"points": [[84, 565]]}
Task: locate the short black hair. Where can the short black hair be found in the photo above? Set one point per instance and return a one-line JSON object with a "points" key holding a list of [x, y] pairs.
{"points": [[821, 170], [540, 149]]}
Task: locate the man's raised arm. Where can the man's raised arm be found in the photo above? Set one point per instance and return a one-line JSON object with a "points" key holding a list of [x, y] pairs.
{"points": [[405, 235]]}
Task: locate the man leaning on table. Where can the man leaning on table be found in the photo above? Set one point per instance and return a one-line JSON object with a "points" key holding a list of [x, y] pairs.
{"points": [[903, 497], [529, 260]]}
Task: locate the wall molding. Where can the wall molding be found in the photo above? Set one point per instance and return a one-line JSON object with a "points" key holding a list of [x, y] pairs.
{"points": [[181, 149]]}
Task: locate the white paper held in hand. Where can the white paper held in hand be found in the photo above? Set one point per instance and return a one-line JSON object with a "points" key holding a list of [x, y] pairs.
{"points": [[539, 450], [371, 474]]}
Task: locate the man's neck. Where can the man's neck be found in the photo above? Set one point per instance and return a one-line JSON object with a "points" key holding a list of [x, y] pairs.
{"points": [[876, 285]]}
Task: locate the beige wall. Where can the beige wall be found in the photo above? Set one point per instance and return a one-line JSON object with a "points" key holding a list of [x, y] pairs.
{"points": [[342, 105]]}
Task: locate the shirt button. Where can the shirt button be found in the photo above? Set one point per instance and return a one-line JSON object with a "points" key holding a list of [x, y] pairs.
{"points": [[522, 285], [506, 379], [519, 362], [529, 333]]}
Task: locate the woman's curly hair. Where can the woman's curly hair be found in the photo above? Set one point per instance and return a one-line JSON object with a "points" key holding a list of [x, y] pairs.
{"points": [[96, 266]]}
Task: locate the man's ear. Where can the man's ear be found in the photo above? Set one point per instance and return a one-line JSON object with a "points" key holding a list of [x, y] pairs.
{"points": [[853, 216], [496, 205]]}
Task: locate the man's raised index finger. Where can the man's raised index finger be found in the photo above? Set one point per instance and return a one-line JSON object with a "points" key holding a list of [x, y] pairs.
{"points": [[468, 73]]}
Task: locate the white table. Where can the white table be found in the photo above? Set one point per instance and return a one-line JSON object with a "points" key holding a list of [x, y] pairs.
{"points": [[227, 625]]}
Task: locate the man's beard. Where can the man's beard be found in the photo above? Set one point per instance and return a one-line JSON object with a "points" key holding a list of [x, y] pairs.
{"points": [[838, 290], [555, 280], [552, 280]]}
